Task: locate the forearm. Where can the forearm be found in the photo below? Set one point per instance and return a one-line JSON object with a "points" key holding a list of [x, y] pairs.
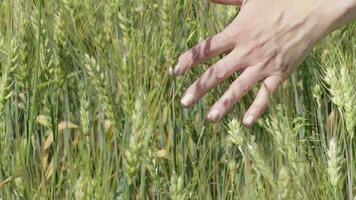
{"points": [[343, 12]]}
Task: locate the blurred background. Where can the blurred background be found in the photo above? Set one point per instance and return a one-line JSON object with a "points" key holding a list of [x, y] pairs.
{"points": [[88, 110]]}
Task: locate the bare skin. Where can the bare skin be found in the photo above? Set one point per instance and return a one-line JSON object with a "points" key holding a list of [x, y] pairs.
{"points": [[267, 42]]}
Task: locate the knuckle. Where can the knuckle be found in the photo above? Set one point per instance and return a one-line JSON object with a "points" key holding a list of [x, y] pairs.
{"points": [[224, 39], [201, 50], [204, 51], [221, 75], [226, 36], [233, 96], [259, 108], [196, 88], [227, 101], [185, 59], [242, 87]]}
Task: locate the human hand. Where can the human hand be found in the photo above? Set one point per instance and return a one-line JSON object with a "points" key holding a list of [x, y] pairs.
{"points": [[267, 41]]}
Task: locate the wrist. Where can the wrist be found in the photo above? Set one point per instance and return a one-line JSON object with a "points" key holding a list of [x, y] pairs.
{"points": [[338, 13], [349, 11]]}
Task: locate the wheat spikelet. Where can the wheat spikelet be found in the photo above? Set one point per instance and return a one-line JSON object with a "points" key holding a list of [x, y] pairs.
{"points": [[84, 109], [59, 30], [44, 39], [24, 37], [284, 135], [176, 188], [235, 134], [350, 113], [85, 188], [60, 52], [2, 48], [7, 78], [284, 184], [125, 24], [235, 138], [285, 142], [232, 166], [127, 46], [334, 163], [7, 81], [124, 72], [108, 26], [341, 88], [259, 186], [166, 23], [151, 159], [140, 132], [70, 6], [97, 78], [259, 164], [2, 90], [317, 94], [38, 25], [350, 99], [335, 89]]}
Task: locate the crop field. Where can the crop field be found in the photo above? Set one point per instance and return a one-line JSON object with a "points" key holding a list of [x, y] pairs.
{"points": [[88, 109]]}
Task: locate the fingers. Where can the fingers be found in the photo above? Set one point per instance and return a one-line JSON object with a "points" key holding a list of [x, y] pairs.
{"points": [[227, 2], [212, 77], [206, 49], [234, 94], [261, 102]]}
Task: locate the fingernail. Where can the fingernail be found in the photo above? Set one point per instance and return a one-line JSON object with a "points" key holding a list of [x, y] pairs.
{"points": [[187, 100], [248, 120], [177, 70], [214, 115]]}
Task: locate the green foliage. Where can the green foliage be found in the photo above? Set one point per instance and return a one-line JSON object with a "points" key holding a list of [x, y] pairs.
{"points": [[89, 111]]}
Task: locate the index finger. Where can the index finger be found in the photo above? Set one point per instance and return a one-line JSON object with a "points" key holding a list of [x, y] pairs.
{"points": [[203, 51]]}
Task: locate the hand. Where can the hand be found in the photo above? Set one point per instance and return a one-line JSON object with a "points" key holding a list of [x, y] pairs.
{"points": [[267, 42]]}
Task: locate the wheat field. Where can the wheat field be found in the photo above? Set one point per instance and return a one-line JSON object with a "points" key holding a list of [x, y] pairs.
{"points": [[88, 109]]}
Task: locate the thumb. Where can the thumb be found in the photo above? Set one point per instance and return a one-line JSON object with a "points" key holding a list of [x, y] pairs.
{"points": [[227, 2]]}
